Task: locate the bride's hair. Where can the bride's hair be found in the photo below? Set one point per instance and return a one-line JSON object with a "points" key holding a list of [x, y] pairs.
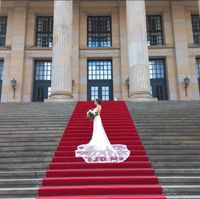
{"points": [[98, 101]]}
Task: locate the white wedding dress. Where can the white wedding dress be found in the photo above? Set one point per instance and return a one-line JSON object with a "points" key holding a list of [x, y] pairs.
{"points": [[99, 149]]}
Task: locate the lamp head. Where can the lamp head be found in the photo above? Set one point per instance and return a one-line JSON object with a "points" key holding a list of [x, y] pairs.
{"points": [[186, 81], [127, 82], [13, 83]]}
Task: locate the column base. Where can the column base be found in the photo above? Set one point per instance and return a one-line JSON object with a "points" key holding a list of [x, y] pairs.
{"points": [[141, 96], [60, 97]]}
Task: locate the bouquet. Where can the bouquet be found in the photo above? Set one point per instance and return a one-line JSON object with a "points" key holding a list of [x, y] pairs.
{"points": [[91, 114]]}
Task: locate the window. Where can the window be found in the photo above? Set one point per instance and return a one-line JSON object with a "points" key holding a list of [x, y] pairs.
{"points": [[99, 70], [154, 29], [198, 67], [1, 70], [1, 76], [44, 32], [196, 29], [3, 26], [43, 70], [158, 79], [198, 71], [99, 31], [105, 92], [156, 69], [94, 92]]}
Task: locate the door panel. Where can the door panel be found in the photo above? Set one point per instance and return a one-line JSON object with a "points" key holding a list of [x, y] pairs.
{"points": [[41, 90], [100, 89], [0, 88], [159, 89], [158, 78], [42, 80]]}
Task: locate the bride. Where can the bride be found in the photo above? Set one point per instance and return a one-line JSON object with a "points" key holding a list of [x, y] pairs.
{"points": [[99, 148]]}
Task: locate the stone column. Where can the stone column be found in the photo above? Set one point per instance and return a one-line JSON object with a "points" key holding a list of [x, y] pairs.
{"points": [[16, 67], [181, 49], [199, 6], [62, 51], [139, 79]]}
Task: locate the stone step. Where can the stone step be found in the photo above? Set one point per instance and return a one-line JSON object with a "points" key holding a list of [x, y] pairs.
{"points": [[36, 182], [19, 192], [175, 164], [28, 148], [30, 135], [181, 190], [182, 197], [24, 132], [180, 180], [144, 133], [175, 130], [12, 154], [41, 143], [30, 139], [174, 152], [169, 137], [16, 159], [170, 147], [178, 158], [20, 183], [23, 174], [24, 159], [25, 167], [189, 172]]}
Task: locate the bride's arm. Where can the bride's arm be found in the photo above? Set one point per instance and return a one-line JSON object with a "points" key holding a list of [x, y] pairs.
{"points": [[99, 109]]}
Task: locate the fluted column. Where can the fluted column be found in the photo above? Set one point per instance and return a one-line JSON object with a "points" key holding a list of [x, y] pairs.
{"points": [[62, 51], [139, 79], [199, 6]]}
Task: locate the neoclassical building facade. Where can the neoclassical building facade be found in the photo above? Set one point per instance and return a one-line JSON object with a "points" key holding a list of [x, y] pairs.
{"points": [[112, 49]]}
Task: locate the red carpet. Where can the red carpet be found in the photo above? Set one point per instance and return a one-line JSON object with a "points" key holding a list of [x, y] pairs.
{"points": [[70, 177]]}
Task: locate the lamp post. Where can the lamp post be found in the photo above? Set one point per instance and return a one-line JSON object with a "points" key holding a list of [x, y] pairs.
{"points": [[73, 82], [186, 83], [127, 84], [13, 85]]}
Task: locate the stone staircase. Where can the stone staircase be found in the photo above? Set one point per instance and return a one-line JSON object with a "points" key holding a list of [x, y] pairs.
{"points": [[170, 132], [29, 134]]}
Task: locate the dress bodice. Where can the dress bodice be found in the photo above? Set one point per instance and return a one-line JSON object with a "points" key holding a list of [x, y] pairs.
{"points": [[98, 107]]}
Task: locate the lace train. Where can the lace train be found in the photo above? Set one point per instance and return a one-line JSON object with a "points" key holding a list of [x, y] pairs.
{"points": [[112, 153]]}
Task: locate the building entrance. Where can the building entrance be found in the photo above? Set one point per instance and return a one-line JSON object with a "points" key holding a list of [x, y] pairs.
{"points": [[158, 79], [100, 81], [42, 80]]}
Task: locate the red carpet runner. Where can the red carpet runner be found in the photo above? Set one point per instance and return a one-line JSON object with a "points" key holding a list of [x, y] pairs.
{"points": [[70, 177]]}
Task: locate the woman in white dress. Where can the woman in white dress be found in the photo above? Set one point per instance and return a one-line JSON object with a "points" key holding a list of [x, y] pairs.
{"points": [[99, 148]]}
